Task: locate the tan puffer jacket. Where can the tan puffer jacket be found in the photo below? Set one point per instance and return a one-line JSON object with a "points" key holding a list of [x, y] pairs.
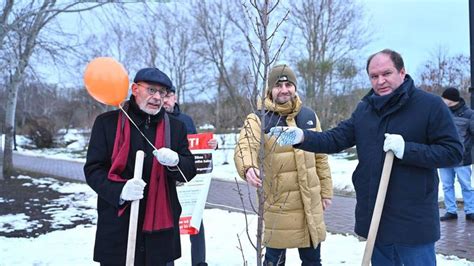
{"points": [[295, 181]]}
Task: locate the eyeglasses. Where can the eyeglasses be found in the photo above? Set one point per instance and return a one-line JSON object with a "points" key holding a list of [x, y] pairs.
{"points": [[152, 90], [169, 95]]}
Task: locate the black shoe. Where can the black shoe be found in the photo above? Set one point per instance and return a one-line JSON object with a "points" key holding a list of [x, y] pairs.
{"points": [[470, 217], [449, 216]]}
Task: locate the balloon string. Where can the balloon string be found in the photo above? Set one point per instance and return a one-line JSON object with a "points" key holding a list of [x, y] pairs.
{"points": [[149, 142], [129, 118]]}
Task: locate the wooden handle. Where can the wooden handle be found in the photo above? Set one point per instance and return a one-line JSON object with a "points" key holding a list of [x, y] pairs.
{"points": [[133, 223], [374, 223]]}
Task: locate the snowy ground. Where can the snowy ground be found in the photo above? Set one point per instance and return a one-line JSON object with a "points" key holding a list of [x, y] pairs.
{"points": [[223, 229], [74, 246]]}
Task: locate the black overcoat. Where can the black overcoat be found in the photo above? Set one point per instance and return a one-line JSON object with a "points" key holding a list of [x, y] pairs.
{"points": [[112, 230]]}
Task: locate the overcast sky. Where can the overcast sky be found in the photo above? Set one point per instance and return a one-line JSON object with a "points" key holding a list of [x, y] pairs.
{"points": [[417, 28]]}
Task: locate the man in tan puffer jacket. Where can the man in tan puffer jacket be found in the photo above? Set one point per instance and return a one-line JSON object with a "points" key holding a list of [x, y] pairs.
{"points": [[297, 185]]}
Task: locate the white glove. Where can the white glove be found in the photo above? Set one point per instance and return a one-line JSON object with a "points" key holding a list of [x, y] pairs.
{"points": [[287, 135], [133, 189], [395, 143], [166, 156]]}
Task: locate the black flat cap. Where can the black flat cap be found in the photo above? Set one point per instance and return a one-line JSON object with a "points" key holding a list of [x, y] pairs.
{"points": [[153, 75]]}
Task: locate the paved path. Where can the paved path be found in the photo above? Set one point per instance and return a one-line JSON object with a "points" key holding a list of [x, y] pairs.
{"points": [[457, 237]]}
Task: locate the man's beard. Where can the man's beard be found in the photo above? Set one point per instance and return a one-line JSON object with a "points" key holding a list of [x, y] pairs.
{"points": [[168, 108], [287, 98], [148, 110]]}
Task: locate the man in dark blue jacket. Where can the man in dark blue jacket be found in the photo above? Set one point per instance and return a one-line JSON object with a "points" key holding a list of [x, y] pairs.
{"points": [[418, 128], [464, 119], [198, 241]]}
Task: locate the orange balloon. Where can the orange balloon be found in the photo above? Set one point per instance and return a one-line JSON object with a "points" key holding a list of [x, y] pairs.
{"points": [[106, 80]]}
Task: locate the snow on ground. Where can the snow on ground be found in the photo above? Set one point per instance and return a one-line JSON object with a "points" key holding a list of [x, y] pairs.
{"points": [[223, 230], [75, 246]]}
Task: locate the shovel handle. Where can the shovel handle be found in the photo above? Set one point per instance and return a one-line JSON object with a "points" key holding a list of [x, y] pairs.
{"points": [[374, 223], [133, 223]]}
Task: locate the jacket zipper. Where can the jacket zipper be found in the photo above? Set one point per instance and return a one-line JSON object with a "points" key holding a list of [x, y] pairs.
{"points": [[147, 123]]}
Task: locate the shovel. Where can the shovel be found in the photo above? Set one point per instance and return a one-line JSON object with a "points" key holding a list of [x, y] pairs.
{"points": [[132, 227], [374, 223]]}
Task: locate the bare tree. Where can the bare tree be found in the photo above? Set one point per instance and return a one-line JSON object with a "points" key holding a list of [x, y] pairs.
{"points": [[332, 31], [170, 44], [5, 26], [443, 70], [216, 44], [26, 34]]}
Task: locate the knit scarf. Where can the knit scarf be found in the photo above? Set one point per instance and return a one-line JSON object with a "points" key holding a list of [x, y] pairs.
{"points": [[158, 215]]}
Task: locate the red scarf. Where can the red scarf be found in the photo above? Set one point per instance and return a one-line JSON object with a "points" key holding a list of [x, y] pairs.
{"points": [[158, 215]]}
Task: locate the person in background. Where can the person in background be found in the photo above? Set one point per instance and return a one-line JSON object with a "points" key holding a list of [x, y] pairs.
{"points": [[464, 120], [418, 127], [297, 186], [109, 171], [198, 241]]}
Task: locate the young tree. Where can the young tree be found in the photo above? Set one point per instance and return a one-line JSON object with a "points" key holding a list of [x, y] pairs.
{"points": [[260, 37]]}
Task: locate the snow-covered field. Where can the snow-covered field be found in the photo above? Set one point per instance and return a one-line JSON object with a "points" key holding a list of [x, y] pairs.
{"points": [[223, 230]]}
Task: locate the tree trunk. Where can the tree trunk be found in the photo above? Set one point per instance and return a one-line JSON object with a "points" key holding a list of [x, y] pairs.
{"points": [[23, 59], [8, 169]]}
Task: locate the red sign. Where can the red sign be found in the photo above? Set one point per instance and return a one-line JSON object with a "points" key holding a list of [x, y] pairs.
{"points": [[199, 141], [185, 228]]}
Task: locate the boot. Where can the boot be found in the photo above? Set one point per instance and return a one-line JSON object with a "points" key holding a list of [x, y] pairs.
{"points": [[449, 216]]}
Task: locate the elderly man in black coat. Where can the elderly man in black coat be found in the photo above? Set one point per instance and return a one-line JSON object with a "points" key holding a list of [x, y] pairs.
{"points": [[109, 171]]}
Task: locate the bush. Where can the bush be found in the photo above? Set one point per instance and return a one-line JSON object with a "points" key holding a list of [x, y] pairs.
{"points": [[41, 131]]}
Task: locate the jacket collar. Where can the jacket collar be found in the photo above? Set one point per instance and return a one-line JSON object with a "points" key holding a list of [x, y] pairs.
{"points": [[290, 108], [388, 104], [458, 107], [176, 110]]}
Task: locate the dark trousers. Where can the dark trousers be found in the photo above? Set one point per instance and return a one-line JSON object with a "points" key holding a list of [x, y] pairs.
{"points": [[198, 248], [309, 256], [400, 254]]}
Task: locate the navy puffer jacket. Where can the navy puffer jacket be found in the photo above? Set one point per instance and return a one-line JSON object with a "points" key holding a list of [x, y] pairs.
{"points": [[410, 214]]}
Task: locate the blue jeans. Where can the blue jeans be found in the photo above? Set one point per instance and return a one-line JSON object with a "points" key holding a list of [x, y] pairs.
{"points": [[309, 256], [401, 254], [198, 248], [464, 178]]}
